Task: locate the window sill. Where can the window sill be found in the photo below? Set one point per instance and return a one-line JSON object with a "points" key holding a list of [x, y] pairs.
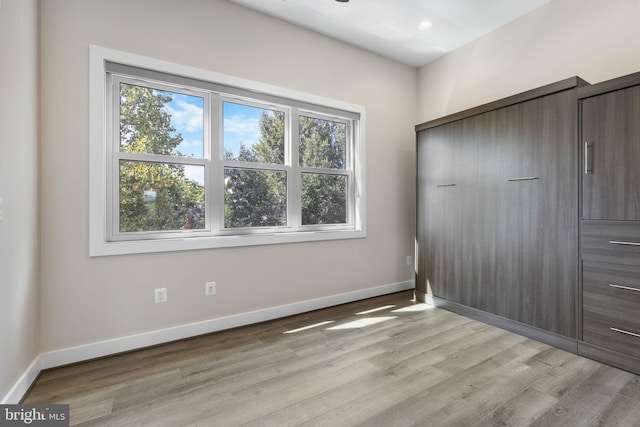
{"points": [[104, 248]]}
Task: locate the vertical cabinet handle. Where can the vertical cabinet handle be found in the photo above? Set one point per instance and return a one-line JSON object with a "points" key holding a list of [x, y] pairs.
{"points": [[588, 159]]}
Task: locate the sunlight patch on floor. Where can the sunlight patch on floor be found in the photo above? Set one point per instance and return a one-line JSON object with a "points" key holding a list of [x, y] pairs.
{"points": [[373, 310], [362, 323], [304, 328], [413, 308]]}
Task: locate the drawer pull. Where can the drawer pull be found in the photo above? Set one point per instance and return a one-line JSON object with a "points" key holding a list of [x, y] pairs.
{"points": [[445, 185], [524, 178], [615, 242], [622, 331], [624, 287]]}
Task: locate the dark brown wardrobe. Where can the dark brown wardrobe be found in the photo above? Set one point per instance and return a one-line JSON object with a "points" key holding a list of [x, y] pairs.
{"points": [[497, 213], [528, 216], [610, 170]]}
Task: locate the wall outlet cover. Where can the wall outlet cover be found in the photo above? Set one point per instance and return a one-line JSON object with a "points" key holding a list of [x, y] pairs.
{"points": [[210, 288], [161, 295]]}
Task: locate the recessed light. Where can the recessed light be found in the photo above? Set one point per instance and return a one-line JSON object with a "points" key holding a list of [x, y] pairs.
{"points": [[425, 25], [343, 1]]}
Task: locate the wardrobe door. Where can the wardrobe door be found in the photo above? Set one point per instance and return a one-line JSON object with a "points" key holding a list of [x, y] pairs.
{"points": [[445, 173], [533, 179], [611, 150], [485, 254], [554, 240], [432, 158]]}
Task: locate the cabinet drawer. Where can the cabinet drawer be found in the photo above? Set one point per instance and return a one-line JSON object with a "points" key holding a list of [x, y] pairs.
{"points": [[611, 306], [611, 241], [600, 331], [612, 290]]}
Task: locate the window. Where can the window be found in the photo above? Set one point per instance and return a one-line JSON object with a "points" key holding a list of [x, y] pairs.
{"points": [[185, 159], [158, 166]]}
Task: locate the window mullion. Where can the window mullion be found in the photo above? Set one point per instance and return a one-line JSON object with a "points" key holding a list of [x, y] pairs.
{"points": [[256, 166], [159, 158], [294, 183], [215, 203], [325, 171]]}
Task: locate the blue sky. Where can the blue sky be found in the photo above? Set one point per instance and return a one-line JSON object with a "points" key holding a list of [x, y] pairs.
{"points": [[187, 117], [241, 125]]}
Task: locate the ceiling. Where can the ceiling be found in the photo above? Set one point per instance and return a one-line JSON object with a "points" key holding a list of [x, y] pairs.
{"points": [[392, 27]]}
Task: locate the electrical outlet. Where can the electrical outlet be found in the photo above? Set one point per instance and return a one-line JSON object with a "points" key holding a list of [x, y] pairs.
{"points": [[161, 295], [210, 288], [409, 260]]}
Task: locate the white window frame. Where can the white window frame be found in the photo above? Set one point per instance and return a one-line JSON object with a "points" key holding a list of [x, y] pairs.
{"points": [[113, 160], [101, 158], [284, 167]]}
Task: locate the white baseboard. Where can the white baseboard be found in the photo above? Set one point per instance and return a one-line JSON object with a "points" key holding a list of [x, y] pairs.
{"points": [[85, 352], [21, 387]]}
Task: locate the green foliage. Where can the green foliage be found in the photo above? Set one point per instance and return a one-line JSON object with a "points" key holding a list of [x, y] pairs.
{"points": [[323, 145], [270, 148], [324, 199], [257, 198], [159, 196], [145, 127], [145, 124]]}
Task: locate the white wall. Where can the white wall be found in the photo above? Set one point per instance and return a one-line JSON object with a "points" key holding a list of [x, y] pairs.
{"points": [[19, 300], [593, 39], [86, 300]]}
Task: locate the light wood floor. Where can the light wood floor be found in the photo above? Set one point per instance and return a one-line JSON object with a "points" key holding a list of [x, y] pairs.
{"points": [[416, 366]]}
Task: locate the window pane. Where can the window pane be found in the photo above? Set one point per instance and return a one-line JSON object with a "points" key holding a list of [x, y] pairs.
{"points": [[253, 134], [161, 122], [160, 197], [254, 198], [322, 143], [324, 199]]}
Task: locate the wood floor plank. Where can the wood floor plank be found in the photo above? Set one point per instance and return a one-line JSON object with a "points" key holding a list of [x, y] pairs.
{"points": [[395, 363], [365, 388], [521, 410], [283, 393], [549, 356], [84, 410], [370, 406], [480, 347], [562, 379], [580, 406], [632, 389], [466, 395], [411, 345], [621, 411]]}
